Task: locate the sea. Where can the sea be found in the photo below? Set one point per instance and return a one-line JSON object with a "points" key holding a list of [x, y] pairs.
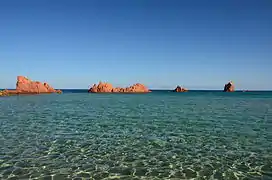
{"points": [[160, 135]]}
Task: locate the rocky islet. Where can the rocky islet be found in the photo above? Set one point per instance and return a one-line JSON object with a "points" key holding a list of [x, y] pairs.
{"points": [[229, 87], [180, 89], [104, 87], [27, 86]]}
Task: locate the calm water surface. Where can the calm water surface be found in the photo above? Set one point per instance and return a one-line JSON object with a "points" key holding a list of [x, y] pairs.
{"points": [[161, 135]]}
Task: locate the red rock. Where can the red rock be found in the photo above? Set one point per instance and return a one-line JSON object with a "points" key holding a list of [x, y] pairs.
{"points": [[108, 88], [229, 87], [101, 88], [138, 88], [180, 89], [26, 86], [118, 90]]}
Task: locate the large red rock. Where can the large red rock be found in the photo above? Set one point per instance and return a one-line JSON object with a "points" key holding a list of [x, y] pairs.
{"points": [[108, 88], [229, 87], [101, 88], [26, 86], [180, 89]]}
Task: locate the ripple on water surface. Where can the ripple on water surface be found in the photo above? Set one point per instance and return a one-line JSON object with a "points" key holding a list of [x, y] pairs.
{"points": [[146, 136]]}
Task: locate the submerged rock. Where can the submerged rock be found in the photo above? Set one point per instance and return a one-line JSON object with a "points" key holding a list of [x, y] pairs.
{"points": [[26, 86], [108, 88], [180, 89], [229, 87]]}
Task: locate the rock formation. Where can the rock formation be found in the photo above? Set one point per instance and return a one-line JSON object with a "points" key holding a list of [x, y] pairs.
{"points": [[108, 88], [180, 89], [229, 87], [26, 86], [4, 93], [101, 88]]}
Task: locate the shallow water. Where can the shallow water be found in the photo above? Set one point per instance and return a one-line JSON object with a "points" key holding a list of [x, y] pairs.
{"points": [[162, 135]]}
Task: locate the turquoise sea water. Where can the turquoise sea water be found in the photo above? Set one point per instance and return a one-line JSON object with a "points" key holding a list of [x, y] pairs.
{"points": [[160, 135]]}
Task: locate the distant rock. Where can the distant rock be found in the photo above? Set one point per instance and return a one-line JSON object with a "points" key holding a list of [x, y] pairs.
{"points": [[26, 86], [229, 87], [101, 88], [108, 88], [180, 89]]}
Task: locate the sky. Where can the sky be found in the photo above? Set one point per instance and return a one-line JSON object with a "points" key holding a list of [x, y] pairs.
{"points": [[161, 43]]}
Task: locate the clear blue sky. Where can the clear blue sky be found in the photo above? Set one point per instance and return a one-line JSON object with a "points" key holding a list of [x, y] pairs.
{"points": [[198, 44]]}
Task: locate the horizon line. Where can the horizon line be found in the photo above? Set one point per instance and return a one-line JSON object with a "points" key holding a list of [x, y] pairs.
{"points": [[155, 89]]}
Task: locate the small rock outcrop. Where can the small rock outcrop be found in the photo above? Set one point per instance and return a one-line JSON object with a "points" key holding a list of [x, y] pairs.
{"points": [[180, 89], [26, 86], [229, 87], [108, 88], [4, 93]]}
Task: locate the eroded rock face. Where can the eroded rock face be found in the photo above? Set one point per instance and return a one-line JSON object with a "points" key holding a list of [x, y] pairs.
{"points": [[26, 86], [101, 88], [108, 88], [229, 87], [180, 89]]}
